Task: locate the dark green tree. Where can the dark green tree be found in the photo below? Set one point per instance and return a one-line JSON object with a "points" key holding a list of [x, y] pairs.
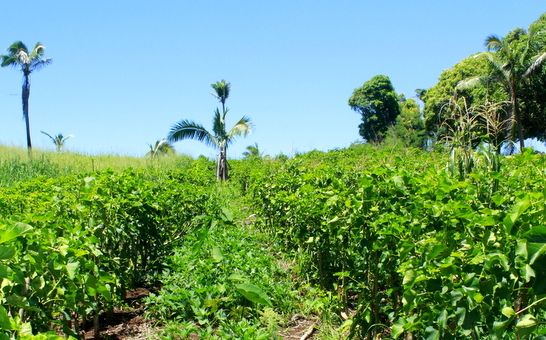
{"points": [[28, 61], [220, 138], [377, 102]]}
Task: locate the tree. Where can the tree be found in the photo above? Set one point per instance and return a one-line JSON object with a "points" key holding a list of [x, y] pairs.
{"points": [[19, 56], [377, 102], [161, 148], [252, 151], [439, 112], [512, 62], [409, 129], [58, 140], [220, 138]]}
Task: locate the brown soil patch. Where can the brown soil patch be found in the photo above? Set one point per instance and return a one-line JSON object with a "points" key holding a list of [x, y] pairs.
{"points": [[126, 324], [300, 326]]}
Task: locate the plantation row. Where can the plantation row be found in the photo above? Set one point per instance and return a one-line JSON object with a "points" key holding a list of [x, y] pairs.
{"points": [[71, 246], [411, 249]]}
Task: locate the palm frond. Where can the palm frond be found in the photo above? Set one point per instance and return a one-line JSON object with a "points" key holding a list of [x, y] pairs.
{"points": [[38, 51], [17, 46], [219, 124], [50, 137], [535, 65], [493, 43], [469, 83], [241, 128], [38, 64], [498, 65], [9, 61], [221, 89], [161, 148], [186, 129]]}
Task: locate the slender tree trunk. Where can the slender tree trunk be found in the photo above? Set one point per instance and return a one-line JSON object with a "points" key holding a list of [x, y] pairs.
{"points": [[517, 119], [25, 96], [221, 167]]}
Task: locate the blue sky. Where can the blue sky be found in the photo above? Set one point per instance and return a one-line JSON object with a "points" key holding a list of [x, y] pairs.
{"points": [[125, 71]]}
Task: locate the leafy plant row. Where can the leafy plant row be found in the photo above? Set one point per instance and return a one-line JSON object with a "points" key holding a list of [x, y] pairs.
{"points": [[411, 249], [70, 247]]}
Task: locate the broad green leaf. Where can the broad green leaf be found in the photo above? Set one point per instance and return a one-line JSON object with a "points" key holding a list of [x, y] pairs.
{"points": [[433, 333], [500, 326], [409, 277], [8, 233], [442, 320], [517, 209], [397, 329], [253, 294], [527, 321], [6, 252], [521, 248], [237, 277], [71, 268], [508, 312], [217, 255], [538, 253], [5, 272], [25, 330], [227, 215], [529, 273], [478, 297], [5, 323]]}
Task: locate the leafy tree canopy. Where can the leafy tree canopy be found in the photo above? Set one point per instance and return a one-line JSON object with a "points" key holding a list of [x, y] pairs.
{"points": [[377, 102]]}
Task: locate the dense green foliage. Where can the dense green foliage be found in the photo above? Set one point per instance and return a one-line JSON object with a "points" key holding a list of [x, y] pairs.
{"points": [[225, 281], [409, 129], [438, 112], [509, 77], [413, 249], [72, 245], [377, 102]]}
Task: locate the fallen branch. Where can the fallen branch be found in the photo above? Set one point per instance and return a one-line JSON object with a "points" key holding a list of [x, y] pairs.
{"points": [[309, 332]]}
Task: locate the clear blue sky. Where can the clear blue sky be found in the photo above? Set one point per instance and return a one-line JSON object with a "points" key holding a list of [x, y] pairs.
{"points": [[125, 71]]}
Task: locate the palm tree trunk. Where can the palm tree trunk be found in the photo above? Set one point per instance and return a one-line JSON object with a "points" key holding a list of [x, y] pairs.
{"points": [[516, 125], [25, 96], [221, 167]]}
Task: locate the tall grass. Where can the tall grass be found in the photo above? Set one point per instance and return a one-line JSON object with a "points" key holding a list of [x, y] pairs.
{"points": [[16, 165]]}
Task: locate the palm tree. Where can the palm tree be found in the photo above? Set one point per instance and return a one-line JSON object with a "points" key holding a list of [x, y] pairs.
{"points": [[252, 151], [512, 65], [161, 148], [58, 140], [19, 56], [220, 138]]}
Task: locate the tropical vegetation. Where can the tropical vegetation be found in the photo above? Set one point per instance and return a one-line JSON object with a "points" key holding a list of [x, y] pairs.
{"points": [[58, 140], [19, 56], [425, 230], [220, 138]]}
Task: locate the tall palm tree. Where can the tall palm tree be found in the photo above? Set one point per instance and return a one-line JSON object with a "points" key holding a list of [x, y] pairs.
{"points": [[220, 138], [512, 64], [19, 56], [161, 148], [58, 140]]}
